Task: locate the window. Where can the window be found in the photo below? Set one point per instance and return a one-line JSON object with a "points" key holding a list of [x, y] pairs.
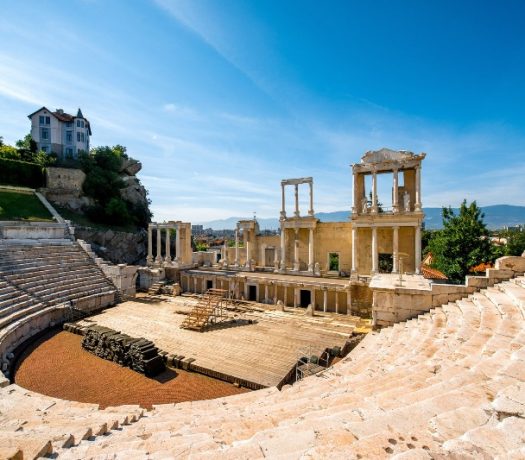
{"points": [[44, 148], [69, 124], [69, 136], [44, 135], [78, 137], [333, 261], [69, 151], [81, 123], [48, 120], [41, 119], [82, 137], [78, 123]]}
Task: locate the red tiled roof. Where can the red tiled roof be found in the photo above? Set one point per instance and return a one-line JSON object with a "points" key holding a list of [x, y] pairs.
{"points": [[432, 273], [480, 268]]}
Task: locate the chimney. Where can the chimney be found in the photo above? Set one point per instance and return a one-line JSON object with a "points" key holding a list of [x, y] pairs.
{"points": [[60, 111]]}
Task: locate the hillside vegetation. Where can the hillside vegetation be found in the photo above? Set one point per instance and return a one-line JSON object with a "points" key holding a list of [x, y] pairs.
{"points": [[22, 206]]}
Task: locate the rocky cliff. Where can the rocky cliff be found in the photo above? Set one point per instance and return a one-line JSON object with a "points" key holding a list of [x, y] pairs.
{"points": [[64, 186], [117, 247]]}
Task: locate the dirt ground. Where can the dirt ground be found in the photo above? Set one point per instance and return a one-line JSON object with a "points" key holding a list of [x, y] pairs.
{"points": [[56, 365]]}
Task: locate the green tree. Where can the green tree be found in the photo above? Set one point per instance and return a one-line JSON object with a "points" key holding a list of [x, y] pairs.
{"points": [[462, 243], [103, 183], [200, 246], [27, 147], [515, 243], [9, 152]]}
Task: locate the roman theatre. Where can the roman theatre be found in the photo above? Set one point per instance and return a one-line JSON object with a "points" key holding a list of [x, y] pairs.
{"points": [[325, 340]]}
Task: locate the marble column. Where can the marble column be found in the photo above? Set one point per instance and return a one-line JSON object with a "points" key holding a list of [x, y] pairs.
{"points": [[417, 205], [237, 247], [149, 259], [375, 255], [417, 252], [296, 251], [355, 204], [336, 292], [374, 193], [265, 293], [311, 210], [395, 193], [285, 294], [349, 302], [195, 285], [295, 295], [158, 259], [283, 249], [297, 214], [311, 251], [283, 202], [167, 258], [354, 250], [325, 300], [178, 255], [395, 252], [248, 263], [312, 298]]}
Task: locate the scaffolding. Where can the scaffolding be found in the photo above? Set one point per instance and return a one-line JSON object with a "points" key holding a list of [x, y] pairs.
{"points": [[211, 309], [310, 364]]}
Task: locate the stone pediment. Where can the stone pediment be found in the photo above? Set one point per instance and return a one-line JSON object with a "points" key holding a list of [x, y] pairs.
{"points": [[384, 154]]}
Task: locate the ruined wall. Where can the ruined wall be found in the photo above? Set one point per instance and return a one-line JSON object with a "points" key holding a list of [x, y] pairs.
{"points": [[64, 179], [267, 242], [332, 237]]}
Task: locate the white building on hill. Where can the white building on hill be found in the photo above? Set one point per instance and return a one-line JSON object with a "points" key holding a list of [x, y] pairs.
{"points": [[59, 132]]}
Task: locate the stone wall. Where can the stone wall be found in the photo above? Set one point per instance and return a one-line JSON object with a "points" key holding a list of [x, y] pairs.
{"points": [[393, 303], [64, 179], [32, 230], [117, 247]]}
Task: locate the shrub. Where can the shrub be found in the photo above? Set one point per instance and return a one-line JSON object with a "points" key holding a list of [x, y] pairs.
{"points": [[21, 173]]}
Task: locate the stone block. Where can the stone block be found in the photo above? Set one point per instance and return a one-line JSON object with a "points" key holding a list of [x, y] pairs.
{"points": [[514, 263]]}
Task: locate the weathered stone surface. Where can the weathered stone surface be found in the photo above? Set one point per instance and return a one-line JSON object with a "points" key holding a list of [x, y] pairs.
{"points": [[130, 167], [117, 247], [134, 191]]}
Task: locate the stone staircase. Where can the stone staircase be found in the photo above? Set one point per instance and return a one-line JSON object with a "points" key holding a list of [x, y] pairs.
{"points": [[450, 382]]}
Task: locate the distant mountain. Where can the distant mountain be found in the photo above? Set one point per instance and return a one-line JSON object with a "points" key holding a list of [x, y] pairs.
{"points": [[496, 216]]}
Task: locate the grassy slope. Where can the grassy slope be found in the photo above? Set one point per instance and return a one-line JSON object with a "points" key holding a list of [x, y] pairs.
{"points": [[84, 221], [22, 206]]}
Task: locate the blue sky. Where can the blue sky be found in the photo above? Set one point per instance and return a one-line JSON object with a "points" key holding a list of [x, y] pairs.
{"points": [[220, 100]]}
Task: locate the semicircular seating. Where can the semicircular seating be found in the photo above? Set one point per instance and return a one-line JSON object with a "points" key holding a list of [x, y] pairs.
{"points": [[448, 383]]}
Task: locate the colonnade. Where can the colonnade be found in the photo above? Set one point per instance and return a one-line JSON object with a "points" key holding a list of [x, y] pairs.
{"points": [[296, 183], [359, 197], [182, 241], [268, 291]]}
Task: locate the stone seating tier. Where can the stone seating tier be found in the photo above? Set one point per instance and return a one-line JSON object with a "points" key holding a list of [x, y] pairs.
{"points": [[37, 284], [447, 383]]}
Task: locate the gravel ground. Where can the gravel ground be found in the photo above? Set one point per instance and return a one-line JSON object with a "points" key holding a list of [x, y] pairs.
{"points": [[56, 365]]}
